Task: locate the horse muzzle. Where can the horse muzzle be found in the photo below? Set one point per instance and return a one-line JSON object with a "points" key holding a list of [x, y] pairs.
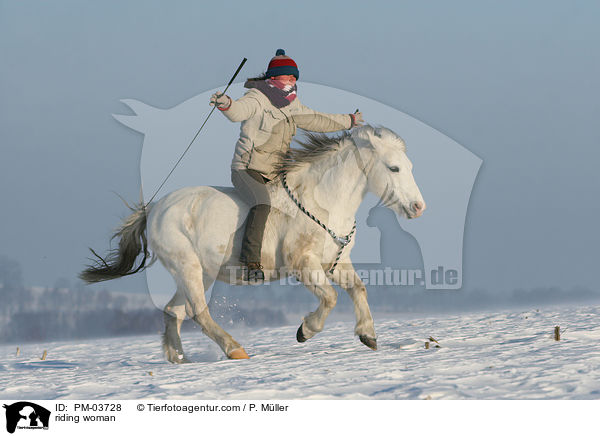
{"points": [[415, 209]]}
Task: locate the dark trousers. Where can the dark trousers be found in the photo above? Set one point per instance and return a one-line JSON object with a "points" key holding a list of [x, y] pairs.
{"points": [[251, 186]]}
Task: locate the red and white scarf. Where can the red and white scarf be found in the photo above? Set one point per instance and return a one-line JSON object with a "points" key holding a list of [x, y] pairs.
{"points": [[279, 93]]}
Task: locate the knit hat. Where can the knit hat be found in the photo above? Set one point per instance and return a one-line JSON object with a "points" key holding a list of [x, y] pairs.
{"points": [[282, 65]]}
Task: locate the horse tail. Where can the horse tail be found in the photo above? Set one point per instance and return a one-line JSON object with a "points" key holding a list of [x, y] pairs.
{"points": [[120, 262]]}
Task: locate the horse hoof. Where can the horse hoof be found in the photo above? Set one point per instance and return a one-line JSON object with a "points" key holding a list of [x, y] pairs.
{"points": [[299, 335], [176, 357], [180, 360], [369, 342], [238, 353]]}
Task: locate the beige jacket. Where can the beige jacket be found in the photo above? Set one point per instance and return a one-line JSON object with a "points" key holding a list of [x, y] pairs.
{"points": [[266, 129]]}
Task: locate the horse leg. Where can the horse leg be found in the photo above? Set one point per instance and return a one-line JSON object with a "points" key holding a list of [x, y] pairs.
{"points": [[174, 315], [183, 263], [314, 278], [195, 283], [349, 280]]}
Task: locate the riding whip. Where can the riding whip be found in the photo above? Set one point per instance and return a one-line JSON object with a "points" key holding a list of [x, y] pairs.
{"points": [[197, 133]]}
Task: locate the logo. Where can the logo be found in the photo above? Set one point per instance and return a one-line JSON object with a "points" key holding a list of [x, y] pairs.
{"points": [[26, 415], [444, 170]]}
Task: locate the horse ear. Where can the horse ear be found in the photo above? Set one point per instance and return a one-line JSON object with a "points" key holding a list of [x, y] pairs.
{"points": [[139, 121], [364, 135]]}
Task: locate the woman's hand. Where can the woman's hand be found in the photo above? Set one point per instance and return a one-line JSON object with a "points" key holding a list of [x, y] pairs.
{"points": [[221, 101], [357, 119]]}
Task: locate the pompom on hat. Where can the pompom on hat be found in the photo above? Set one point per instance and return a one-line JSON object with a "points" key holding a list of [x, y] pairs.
{"points": [[282, 65]]}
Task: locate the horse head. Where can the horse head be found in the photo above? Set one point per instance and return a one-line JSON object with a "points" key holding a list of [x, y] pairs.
{"points": [[389, 170]]}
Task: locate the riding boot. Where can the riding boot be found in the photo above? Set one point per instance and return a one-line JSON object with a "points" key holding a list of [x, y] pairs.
{"points": [[254, 272]]}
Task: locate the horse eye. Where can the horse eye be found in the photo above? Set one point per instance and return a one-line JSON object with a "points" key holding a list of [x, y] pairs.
{"points": [[394, 169]]}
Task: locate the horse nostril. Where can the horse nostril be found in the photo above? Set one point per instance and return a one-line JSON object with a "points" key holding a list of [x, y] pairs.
{"points": [[417, 206]]}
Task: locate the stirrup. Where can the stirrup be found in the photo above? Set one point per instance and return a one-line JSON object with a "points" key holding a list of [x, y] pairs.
{"points": [[254, 272]]}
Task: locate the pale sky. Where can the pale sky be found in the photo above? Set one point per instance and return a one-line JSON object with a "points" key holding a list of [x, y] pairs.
{"points": [[516, 84]]}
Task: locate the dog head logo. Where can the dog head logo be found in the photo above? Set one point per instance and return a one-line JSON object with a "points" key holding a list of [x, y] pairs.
{"points": [[26, 415]]}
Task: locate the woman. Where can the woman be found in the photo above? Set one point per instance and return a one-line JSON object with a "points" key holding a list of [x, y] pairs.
{"points": [[270, 112]]}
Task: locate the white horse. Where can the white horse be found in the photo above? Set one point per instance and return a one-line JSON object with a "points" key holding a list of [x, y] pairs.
{"points": [[196, 232]]}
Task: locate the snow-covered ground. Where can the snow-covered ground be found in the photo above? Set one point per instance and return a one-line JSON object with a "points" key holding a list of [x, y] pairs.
{"points": [[508, 355]]}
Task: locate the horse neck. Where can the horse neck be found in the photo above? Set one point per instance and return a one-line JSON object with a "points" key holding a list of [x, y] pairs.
{"points": [[337, 184]]}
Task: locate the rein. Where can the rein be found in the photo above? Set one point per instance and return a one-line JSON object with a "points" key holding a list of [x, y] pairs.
{"points": [[341, 240]]}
